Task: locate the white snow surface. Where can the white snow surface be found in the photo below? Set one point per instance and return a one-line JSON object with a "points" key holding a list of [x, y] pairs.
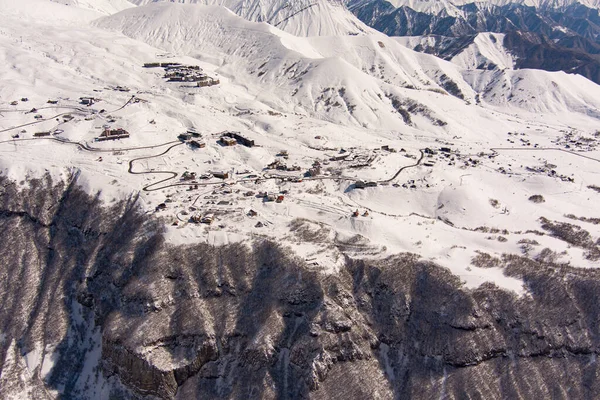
{"points": [[297, 17], [317, 98]]}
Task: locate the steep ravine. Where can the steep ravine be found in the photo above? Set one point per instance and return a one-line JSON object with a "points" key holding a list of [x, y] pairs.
{"points": [[123, 314]]}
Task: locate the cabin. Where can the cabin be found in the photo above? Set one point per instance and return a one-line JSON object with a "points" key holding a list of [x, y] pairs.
{"points": [[221, 174], [207, 81], [271, 197], [52, 101], [184, 136], [360, 184], [87, 101], [314, 171], [41, 134], [208, 219], [197, 145], [188, 176], [280, 198]]}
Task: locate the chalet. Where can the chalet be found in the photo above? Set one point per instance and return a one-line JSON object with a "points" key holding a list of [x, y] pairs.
{"points": [[24, 99], [271, 197], [197, 145], [208, 219], [360, 184], [227, 141], [314, 171], [196, 218], [445, 149], [280, 198], [68, 117], [161, 206], [86, 101], [355, 213], [188, 176], [252, 213], [41, 134], [152, 65], [221, 174], [52, 101], [14, 103], [371, 184], [249, 193]]}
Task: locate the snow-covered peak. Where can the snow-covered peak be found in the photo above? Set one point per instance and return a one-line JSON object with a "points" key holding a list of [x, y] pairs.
{"points": [[298, 17]]}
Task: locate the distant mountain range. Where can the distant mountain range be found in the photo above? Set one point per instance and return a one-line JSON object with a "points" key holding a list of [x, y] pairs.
{"points": [[548, 35]]}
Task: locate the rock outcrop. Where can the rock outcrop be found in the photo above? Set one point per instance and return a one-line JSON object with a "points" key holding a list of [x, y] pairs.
{"points": [[96, 304]]}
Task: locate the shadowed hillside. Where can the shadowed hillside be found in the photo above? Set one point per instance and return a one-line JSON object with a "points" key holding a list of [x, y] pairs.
{"points": [[95, 304]]}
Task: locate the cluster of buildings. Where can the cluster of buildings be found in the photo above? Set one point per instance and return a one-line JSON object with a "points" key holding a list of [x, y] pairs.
{"points": [[176, 72]]}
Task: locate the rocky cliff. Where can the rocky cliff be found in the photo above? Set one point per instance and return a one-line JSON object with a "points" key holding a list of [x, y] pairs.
{"points": [[95, 304]]}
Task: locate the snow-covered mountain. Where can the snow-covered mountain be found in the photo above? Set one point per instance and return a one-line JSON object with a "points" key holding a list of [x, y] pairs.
{"points": [[298, 17], [194, 204], [100, 6], [435, 6], [544, 35]]}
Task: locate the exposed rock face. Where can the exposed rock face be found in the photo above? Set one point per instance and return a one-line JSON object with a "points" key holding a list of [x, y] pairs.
{"points": [[130, 316], [546, 38]]}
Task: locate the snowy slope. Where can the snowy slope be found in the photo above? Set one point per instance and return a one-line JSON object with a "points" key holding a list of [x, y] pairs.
{"points": [[348, 80], [101, 6], [360, 70], [298, 17], [485, 51]]}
